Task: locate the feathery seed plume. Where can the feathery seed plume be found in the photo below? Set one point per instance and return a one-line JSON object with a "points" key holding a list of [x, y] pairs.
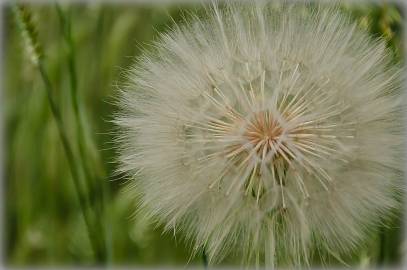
{"points": [[267, 130]]}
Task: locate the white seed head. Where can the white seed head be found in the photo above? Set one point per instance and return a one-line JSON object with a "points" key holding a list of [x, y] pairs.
{"points": [[267, 130]]}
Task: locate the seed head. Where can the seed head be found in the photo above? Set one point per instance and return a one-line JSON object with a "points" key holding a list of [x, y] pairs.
{"points": [[28, 32], [267, 130]]}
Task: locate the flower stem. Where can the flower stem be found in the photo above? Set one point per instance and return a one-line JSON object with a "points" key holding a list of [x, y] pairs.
{"points": [[66, 30], [92, 180], [29, 36], [83, 200], [205, 259]]}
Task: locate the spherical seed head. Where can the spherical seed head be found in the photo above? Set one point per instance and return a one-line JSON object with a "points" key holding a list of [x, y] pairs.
{"points": [[267, 130]]}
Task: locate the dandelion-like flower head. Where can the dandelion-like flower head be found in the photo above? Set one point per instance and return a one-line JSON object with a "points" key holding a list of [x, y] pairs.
{"points": [[265, 129]]}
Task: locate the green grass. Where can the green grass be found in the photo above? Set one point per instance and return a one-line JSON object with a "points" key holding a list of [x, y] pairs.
{"points": [[86, 49]]}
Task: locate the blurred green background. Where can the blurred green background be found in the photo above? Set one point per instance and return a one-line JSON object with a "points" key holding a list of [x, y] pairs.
{"points": [[43, 221]]}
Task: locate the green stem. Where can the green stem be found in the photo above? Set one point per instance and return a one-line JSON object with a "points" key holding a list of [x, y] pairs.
{"points": [[29, 36], [204, 259], [92, 180], [66, 27], [382, 247], [83, 200]]}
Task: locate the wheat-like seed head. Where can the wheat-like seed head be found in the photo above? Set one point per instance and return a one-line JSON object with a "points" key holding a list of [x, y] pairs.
{"points": [[29, 33]]}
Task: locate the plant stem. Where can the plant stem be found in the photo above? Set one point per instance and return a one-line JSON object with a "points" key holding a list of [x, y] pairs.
{"points": [[66, 29], [29, 36], [83, 200], [382, 247], [204, 259], [92, 180]]}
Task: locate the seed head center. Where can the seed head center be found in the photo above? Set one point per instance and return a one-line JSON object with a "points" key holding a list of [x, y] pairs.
{"points": [[263, 131]]}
